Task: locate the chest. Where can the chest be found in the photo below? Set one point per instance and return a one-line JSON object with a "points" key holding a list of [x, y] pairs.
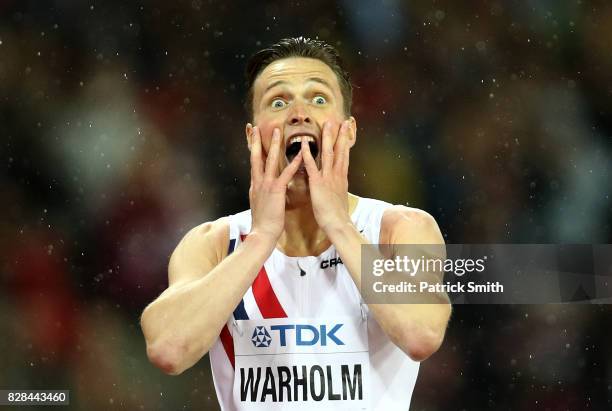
{"points": [[316, 287]]}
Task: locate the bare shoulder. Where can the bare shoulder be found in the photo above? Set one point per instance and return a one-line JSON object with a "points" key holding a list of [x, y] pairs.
{"points": [[409, 225], [211, 231], [199, 251]]}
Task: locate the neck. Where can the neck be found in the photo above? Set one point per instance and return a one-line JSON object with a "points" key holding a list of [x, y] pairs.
{"points": [[302, 236]]}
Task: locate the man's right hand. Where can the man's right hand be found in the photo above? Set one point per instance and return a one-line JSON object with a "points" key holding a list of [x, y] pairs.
{"points": [[268, 189], [203, 279]]}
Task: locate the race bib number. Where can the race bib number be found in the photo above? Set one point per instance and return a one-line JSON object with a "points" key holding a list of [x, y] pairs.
{"points": [[301, 364]]}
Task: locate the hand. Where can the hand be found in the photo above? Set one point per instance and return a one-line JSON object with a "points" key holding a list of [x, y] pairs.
{"points": [[267, 191], [329, 186]]}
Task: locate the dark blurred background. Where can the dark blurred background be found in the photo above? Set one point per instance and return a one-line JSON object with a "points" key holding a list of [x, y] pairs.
{"points": [[122, 127]]}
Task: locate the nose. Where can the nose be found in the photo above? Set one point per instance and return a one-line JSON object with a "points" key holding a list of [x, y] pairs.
{"points": [[299, 115]]}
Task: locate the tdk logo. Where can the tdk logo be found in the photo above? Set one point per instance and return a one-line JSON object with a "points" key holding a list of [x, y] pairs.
{"points": [[304, 335], [261, 337]]}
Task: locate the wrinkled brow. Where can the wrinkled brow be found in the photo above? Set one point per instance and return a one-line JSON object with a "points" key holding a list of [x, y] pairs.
{"points": [[313, 79]]}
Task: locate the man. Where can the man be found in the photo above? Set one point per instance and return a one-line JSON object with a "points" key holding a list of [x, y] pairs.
{"points": [[273, 293]]}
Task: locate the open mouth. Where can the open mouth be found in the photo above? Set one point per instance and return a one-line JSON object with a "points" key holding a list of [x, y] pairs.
{"points": [[295, 145]]}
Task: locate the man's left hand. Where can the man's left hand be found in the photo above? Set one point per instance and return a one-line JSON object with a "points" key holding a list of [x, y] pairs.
{"points": [[329, 186]]}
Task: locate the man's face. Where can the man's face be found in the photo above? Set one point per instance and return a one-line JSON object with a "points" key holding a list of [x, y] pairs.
{"points": [[297, 95]]}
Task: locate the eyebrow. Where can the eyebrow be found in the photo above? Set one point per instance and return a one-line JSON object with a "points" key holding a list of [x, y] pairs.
{"points": [[320, 81], [276, 83], [313, 79]]}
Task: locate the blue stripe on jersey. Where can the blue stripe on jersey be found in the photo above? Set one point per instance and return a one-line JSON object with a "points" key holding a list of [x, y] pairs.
{"points": [[232, 243], [239, 313]]}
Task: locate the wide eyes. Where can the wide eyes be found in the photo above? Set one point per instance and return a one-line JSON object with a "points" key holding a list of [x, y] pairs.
{"points": [[279, 103], [319, 100]]}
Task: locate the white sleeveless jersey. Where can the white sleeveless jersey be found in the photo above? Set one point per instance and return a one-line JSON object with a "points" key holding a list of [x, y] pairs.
{"points": [[315, 286]]}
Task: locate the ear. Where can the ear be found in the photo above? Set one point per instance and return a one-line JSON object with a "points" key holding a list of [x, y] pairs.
{"points": [[249, 134], [353, 131]]}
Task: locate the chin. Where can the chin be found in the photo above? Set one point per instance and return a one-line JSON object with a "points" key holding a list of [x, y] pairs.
{"points": [[298, 184]]}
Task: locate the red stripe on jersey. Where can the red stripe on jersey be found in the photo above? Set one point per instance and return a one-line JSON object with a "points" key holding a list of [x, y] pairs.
{"points": [[266, 299], [228, 343]]}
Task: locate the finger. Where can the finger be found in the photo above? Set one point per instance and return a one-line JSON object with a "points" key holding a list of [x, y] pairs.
{"points": [[256, 160], [346, 151], [350, 137], [341, 145], [327, 150], [272, 161], [345, 164], [309, 162], [290, 170]]}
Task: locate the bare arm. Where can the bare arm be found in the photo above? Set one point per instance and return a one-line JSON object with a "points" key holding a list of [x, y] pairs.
{"points": [[181, 325], [418, 329]]}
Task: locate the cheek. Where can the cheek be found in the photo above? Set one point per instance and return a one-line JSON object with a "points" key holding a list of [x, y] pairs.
{"points": [[266, 129]]}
